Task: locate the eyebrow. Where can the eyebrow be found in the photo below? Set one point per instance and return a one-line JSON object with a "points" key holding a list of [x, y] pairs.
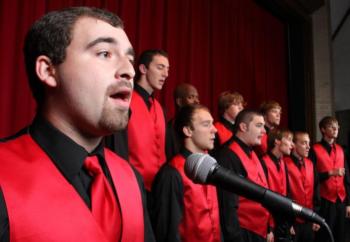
{"points": [[109, 40]]}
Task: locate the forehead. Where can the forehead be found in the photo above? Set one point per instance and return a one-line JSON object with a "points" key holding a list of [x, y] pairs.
{"points": [[274, 109], [191, 91], [160, 59], [201, 115], [87, 29], [302, 137], [258, 119]]}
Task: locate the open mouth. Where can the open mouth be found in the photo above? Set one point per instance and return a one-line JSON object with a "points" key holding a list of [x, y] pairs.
{"points": [[122, 97]]}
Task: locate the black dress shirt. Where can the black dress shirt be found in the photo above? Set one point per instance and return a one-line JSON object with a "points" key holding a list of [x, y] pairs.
{"points": [[68, 157], [168, 206]]}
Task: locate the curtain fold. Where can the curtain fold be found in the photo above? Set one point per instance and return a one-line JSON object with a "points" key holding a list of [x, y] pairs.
{"points": [[215, 45]]}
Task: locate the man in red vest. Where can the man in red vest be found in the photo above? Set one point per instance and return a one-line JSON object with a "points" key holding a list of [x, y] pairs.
{"points": [[272, 111], [185, 211], [147, 125], [239, 157], [56, 178], [230, 104], [279, 144], [303, 184], [334, 180]]}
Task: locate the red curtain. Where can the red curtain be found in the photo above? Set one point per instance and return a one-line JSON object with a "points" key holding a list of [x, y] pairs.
{"points": [[215, 45]]}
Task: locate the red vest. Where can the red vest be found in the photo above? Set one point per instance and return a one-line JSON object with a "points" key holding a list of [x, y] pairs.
{"points": [[277, 179], [252, 215], [333, 187], [301, 182], [200, 221], [224, 133], [146, 137], [43, 206]]}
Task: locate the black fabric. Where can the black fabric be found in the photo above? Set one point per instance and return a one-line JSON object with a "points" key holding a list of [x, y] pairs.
{"points": [[118, 142], [303, 232], [168, 194], [249, 236], [334, 214], [172, 141], [70, 164]]}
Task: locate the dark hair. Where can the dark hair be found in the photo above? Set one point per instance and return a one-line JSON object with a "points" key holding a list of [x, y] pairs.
{"points": [[245, 116], [184, 118], [325, 121], [146, 58], [297, 134], [276, 134], [51, 35]]}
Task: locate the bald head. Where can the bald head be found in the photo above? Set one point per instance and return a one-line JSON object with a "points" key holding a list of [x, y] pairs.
{"points": [[185, 94]]}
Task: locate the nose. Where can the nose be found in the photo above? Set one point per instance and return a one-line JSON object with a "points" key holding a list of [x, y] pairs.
{"points": [[166, 72], [214, 130], [126, 70], [196, 100]]}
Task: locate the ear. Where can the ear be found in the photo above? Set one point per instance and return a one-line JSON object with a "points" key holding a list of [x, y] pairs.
{"points": [[142, 69], [277, 142], [243, 127], [178, 102], [45, 71], [187, 131]]}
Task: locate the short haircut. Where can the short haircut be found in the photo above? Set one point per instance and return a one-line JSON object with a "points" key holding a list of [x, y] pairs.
{"points": [[185, 117], [146, 58], [297, 134], [276, 134], [227, 98], [245, 116], [51, 35], [327, 120], [266, 106]]}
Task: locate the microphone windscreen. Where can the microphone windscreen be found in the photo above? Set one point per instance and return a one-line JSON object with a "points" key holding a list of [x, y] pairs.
{"points": [[198, 167]]}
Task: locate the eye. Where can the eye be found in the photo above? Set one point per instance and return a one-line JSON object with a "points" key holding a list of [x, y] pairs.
{"points": [[104, 54]]}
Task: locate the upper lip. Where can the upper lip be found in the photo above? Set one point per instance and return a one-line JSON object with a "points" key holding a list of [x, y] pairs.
{"points": [[123, 92]]}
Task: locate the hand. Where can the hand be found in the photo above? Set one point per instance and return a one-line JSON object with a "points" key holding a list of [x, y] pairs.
{"points": [[270, 237], [337, 172], [341, 171], [315, 227], [347, 211], [292, 231]]}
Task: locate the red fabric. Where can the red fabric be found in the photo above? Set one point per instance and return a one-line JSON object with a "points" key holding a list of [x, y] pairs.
{"points": [[301, 182], [333, 187], [146, 137], [224, 133], [200, 221], [252, 215], [214, 45], [104, 206], [277, 179], [49, 208]]}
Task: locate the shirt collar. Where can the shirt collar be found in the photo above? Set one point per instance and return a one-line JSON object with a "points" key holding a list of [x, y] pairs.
{"points": [[298, 162], [326, 145], [248, 150], [227, 123], [67, 155], [144, 94], [185, 152]]}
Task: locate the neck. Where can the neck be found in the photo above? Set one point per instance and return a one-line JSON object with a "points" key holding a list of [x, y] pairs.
{"points": [[270, 126], [297, 155], [228, 118], [145, 85], [242, 137], [87, 141], [275, 151], [189, 145], [329, 140]]}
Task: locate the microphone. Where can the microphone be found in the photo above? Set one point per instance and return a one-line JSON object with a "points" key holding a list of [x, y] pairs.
{"points": [[203, 169]]}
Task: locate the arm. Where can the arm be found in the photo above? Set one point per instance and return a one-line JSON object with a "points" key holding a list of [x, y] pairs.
{"points": [[168, 204]]}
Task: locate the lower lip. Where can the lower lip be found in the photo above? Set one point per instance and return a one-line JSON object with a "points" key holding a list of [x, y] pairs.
{"points": [[121, 103]]}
